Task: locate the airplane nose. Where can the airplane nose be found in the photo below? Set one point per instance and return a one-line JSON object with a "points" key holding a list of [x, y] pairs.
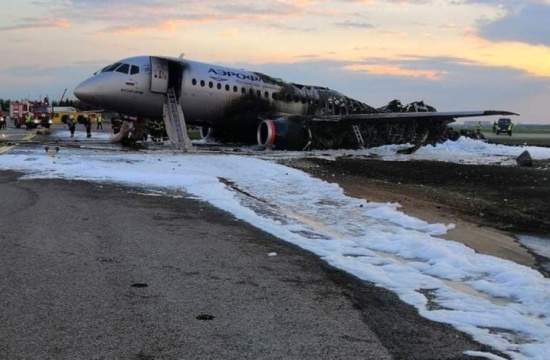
{"points": [[87, 92]]}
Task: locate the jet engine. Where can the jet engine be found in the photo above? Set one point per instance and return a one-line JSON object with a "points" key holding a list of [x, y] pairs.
{"points": [[284, 134]]}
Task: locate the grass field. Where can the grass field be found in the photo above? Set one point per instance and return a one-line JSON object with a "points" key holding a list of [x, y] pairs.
{"points": [[519, 138], [523, 134]]}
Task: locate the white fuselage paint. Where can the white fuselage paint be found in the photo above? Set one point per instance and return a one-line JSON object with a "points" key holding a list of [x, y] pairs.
{"points": [[206, 91]]}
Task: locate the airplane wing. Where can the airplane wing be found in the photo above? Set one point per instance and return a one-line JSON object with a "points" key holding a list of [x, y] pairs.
{"points": [[434, 115]]}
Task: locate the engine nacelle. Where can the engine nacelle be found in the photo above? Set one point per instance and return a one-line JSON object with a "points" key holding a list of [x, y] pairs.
{"points": [[283, 134]]}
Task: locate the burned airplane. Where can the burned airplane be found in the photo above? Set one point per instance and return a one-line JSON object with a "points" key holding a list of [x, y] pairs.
{"points": [[240, 106]]}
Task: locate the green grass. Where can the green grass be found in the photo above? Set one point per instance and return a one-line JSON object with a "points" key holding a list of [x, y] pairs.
{"points": [[194, 133], [518, 128]]}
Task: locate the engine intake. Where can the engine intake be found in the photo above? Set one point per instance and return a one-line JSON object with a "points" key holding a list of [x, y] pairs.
{"points": [[283, 134]]}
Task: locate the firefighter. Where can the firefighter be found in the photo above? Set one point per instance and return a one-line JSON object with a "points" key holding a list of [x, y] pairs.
{"points": [[28, 121], [99, 122], [88, 124], [2, 122], [72, 124]]}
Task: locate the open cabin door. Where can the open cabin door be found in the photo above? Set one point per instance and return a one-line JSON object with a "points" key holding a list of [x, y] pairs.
{"points": [[167, 79], [166, 74], [159, 75]]}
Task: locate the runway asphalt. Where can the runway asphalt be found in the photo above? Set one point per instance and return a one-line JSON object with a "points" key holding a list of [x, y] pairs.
{"points": [[95, 271]]}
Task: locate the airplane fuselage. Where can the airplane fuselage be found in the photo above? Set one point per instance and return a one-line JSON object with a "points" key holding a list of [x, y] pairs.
{"points": [[205, 90], [244, 106]]}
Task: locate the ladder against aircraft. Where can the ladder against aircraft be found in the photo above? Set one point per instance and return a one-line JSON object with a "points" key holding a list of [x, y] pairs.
{"points": [[174, 122], [358, 136]]}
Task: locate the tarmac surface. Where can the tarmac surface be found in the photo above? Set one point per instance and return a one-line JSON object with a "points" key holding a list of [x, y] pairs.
{"points": [[104, 272]]}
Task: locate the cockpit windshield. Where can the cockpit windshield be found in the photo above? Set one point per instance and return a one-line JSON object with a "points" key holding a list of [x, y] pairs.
{"points": [[124, 68], [121, 68], [110, 67]]}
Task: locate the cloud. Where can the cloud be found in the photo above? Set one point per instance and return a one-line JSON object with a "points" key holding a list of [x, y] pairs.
{"points": [[395, 70], [354, 24], [410, 66], [37, 23], [167, 16], [529, 24]]}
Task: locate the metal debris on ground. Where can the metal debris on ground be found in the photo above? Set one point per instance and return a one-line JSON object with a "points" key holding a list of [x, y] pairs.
{"points": [[525, 159]]}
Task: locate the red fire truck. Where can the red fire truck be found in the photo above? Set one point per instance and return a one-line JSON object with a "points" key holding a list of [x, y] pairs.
{"points": [[18, 112], [40, 112]]}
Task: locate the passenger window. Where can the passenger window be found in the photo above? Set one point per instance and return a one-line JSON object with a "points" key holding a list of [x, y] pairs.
{"points": [[235, 89], [243, 90], [251, 91], [194, 82], [259, 93], [203, 83], [134, 70], [219, 86], [227, 88], [210, 84], [266, 94], [123, 68]]}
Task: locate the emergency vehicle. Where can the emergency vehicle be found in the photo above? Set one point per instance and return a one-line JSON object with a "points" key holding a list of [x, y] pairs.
{"points": [[38, 110]]}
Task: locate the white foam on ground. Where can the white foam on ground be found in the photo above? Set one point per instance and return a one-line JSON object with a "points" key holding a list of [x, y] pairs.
{"points": [[498, 302], [462, 151], [540, 246], [80, 134], [470, 150]]}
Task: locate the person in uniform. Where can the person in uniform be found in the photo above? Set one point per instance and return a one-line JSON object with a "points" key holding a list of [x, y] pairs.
{"points": [[72, 124], [88, 124], [99, 122], [28, 121]]}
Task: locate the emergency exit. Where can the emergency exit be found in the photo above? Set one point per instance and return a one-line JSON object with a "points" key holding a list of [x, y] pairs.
{"points": [[159, 75]]}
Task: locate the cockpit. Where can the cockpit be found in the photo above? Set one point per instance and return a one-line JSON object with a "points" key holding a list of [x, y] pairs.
{"points": [[121, 68], [133, 86]]}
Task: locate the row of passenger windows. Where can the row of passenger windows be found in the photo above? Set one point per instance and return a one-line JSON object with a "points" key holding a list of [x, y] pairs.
{"points": [[251, 91], [235, 89], [122, 68]]}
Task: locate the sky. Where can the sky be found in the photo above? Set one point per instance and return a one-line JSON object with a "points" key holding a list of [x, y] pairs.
{"points": [[453, 54]]}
